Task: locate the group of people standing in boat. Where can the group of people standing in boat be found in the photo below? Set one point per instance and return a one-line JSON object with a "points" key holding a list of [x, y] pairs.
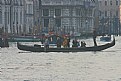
{"points": [[65, 42], [76, 43]]}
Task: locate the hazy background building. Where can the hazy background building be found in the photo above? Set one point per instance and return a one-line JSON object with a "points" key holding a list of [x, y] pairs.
{"points": [[12, 16], [20, 17], [109, 14]]}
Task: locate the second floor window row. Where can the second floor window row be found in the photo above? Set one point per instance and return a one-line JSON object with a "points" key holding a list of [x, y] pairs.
{"points": [[111, 3]]}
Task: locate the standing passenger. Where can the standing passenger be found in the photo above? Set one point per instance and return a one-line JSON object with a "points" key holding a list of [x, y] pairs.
{"points": [[46, 44], [58, 42], [65, 42], [68, 41], [83, 44], [75, 43]]}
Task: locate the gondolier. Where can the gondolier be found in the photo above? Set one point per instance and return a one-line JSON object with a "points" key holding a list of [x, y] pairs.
{"points": [[94, 38]]}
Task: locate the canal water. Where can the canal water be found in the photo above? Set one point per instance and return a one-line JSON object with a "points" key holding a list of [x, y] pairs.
{"points": [[17, 65]]}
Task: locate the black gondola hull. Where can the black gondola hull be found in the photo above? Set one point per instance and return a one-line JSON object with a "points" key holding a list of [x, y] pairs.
{"points": [[80, 49]]}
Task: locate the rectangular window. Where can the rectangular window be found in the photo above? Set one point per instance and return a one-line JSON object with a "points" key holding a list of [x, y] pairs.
{"points": [[8, 17], [29, 9], [100, 3], [0, 17], [110, 13], [45, 12], [78, 12], [16, 17], [21, 17], [117, 13], [5, 17], [105, 3], [99, 13], [57, 12], [46, 22], [105, 13], [58, 22], [116, 2], [110, 2], [90, 12]]}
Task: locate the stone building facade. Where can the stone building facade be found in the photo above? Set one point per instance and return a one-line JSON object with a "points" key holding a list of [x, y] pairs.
{"points": [[12, 16], [62, 16], [67, 16], [16, 16]]}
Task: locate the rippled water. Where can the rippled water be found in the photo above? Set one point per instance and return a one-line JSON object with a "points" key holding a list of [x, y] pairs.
{"points": [[17, 65]]}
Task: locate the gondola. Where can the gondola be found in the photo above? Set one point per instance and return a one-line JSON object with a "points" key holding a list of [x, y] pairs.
{"points": [[39, 48]]}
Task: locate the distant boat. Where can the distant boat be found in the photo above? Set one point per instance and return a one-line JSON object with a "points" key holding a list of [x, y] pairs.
{"points": [[105, 38], [24, 39]]}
